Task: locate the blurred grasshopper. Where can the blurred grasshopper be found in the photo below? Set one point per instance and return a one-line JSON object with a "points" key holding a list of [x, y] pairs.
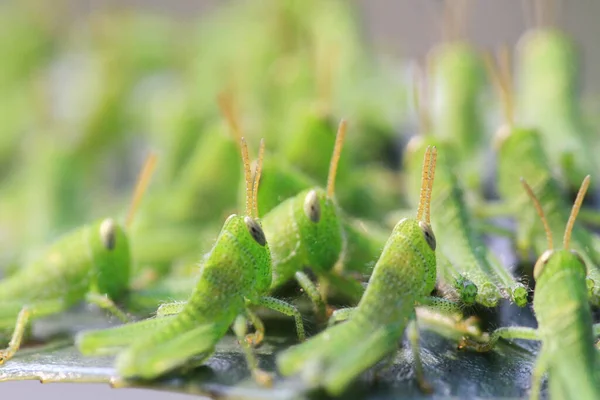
{"points": [[403, 277], [521, 154], [234, 275], [548, 99], [564, 318], [91, 263], [463, 245], [458, 80], [170, 225]]}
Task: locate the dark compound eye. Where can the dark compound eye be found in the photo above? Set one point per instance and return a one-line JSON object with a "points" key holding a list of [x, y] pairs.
{"points": [[255, 231], [108, 233], [428, 233], [312, 208]]}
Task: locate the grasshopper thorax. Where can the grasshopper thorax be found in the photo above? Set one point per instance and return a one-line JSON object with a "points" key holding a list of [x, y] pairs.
{"points": [[109, 249]]}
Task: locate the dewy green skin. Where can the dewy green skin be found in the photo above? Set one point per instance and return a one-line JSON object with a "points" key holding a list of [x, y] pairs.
{"points": [[564, 318], [234, 275], [91, 263], [521, 154], [403, 277]]}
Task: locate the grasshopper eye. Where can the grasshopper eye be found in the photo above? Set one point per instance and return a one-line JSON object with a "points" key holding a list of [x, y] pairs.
{"points": [[541, 262], [312, 208], [255, 230], [108, 233], [428, 233]]}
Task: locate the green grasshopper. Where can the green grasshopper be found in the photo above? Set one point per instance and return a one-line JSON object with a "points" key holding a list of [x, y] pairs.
{"points": [[307, 231], [234, 275], [564, 317], [548, 99], [91, 263], [463, 245], [521, 154], [403, 276]]}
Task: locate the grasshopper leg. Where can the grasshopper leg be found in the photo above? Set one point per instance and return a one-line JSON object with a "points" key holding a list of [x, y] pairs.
{"points": [[313, 293], [173, 308], [17, 336], [103, 301], [340, 315], [510, 332], [240, 329], [287, 309], [254, 339], [413, 337], [443, 306]]}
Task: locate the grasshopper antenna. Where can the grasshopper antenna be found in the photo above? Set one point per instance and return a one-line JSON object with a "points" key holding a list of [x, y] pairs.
{"points": [[225, 101], [575, 210], [427, 177], [540, 211], [257, 173], [420, 99], [141, 186], [501, 76], [337, 151], [247, 176]]}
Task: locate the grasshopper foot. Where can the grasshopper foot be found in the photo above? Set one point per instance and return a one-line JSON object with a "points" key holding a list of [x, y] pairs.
{"points": [[263, 378]]}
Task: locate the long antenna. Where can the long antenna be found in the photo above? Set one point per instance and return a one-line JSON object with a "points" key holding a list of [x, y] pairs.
{"points": [[140, 187], [247, 175], [427, 176], [257, 173], [540, 211], [575, 210], [501, 76], [225, 101], [337, 151], [420, 99]]}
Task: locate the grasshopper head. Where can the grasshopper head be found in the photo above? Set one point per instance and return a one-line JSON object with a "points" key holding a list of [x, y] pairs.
{"points": [[317, 218], [553, 261], [242, 243], [111, 260]]}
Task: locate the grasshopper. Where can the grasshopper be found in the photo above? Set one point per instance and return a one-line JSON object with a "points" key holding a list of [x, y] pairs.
{"points": [[463, 245], [521, 154], [234, 275], [548, 98], [564, 317], [307, 230], [91, 263], [403, 276]]}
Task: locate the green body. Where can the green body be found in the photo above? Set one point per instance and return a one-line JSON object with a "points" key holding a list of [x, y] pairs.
{"points": [[565, 327], [548, 71], [404, 274], [461, 243], [521, 155], [236, 271], [77, 264]]}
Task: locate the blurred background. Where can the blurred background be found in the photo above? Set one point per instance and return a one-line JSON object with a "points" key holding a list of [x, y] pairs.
{"points": [[89, 88]]}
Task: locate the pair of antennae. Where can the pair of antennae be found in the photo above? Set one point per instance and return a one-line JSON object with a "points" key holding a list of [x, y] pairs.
{"points": [[141, 186], [574, 211], [427, 177], [227, 108], [502, 79], [252, 184], [335, 158], [421, 98]]}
